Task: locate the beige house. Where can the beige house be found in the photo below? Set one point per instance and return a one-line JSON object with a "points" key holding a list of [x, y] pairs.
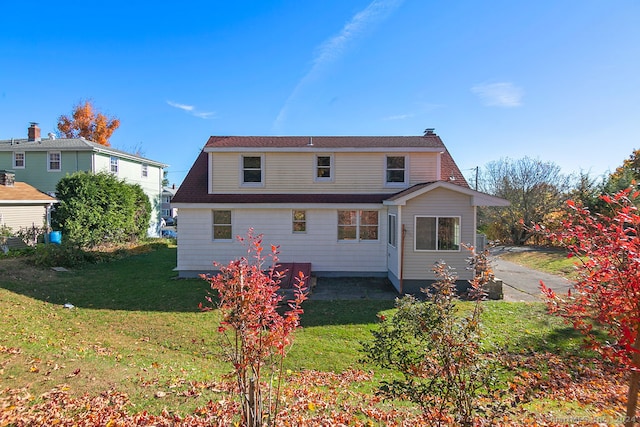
{"points": [[21, 205], [386, 206]]}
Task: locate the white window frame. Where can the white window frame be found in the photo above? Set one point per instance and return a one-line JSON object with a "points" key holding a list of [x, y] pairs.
{"points": [[387, 170], [144, 171], [15, 160], [59, 161], [242, 170], [317, 167], [297, 221], [221, 224], [358, 225], [456, 236], [114, 166], [392, 230]]}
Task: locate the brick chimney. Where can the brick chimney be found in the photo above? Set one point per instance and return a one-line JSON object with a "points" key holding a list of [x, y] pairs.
{"points": [[7, 178], [34, 132]]}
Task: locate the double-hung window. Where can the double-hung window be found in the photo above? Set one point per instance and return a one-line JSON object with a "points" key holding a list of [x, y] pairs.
{"points": [[18, 160], [358, 225], [113, 163], [299, 221], [437, 233], [252, 170], [54, 161], [222, 225], [396, 172], [145, 170], [323, 168]]}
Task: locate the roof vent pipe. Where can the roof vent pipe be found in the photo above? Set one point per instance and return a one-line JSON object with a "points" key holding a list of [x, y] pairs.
{"points": [[310, 143]]}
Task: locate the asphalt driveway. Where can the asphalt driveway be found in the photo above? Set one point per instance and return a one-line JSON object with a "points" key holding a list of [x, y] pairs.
{"points": [[521, 283]]}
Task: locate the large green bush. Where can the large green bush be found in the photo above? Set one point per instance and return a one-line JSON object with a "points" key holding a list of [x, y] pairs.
{"points": [[98, 209]]}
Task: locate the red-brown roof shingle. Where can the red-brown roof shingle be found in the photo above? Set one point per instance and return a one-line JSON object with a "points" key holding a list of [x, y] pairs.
{"points": [[194, 188]]}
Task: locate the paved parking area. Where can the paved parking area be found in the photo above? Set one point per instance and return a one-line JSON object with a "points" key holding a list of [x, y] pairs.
{"points": [[519, 283]]}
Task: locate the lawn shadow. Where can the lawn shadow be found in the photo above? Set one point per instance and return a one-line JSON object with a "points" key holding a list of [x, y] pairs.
{"points": [[141, 282], [560, 340]]}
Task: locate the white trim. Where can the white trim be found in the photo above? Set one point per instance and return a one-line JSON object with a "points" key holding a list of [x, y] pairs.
{"points": [[24, 160], [213, 224], [400, 184], [116, 164], [49, 153], [332, 171], [395, 230], [294, 221], [477, 198], [262, 171], [26, 202], [437, 217], [358, 224]]}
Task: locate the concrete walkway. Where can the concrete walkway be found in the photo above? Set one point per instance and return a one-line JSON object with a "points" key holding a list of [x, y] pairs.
{"points": [[522, 283]]}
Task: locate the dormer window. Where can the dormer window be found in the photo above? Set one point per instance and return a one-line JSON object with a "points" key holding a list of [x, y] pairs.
{"points": [[252, 170], [396, 172], [324, 166]]}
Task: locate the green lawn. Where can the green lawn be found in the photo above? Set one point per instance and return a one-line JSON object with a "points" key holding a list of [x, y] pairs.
{"points": [[137, 329]]}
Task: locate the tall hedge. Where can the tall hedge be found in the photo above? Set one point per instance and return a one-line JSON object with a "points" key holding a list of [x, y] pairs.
{"points": [[100, 208]]}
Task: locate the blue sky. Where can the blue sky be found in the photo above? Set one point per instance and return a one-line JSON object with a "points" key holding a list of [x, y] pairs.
{"points": [[556, 80]]}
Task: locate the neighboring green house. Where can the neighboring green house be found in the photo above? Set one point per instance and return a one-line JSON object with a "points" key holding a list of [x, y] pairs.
{"points": [[41, 163]]}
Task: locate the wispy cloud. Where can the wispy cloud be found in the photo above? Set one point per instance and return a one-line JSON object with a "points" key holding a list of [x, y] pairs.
{"points": [[192, 110], [335, 47], [399, 117], [502, 94]]}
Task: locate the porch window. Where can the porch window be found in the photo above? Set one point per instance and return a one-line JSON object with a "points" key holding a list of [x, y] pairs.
{"points": [[396, 170], [18, 160], [299, 221], [323, 168], [222, 225], [358, 225], [434, 233], [393, 231], [55, 161], [252, 170]]}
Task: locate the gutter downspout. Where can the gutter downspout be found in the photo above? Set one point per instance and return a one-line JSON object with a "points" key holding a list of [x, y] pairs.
{"points": [[402, 234]]}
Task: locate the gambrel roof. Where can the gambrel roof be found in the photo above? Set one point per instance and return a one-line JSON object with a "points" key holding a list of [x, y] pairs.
{"points": [[194, 188]]}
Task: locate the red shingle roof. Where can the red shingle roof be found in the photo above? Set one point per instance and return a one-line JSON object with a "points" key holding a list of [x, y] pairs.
{"points": [[364, 142]]}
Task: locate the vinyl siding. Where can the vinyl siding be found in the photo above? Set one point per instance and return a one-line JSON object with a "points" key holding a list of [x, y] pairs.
{"points": [[22, 216], [319, 245], [439, 202], [295, 172], [423, 167]]}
